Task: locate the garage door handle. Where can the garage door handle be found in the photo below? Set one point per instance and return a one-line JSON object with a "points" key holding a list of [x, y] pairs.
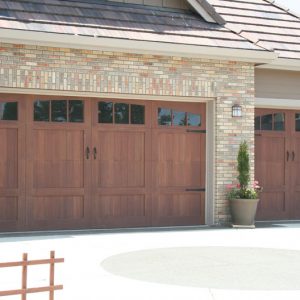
{"points": [[287, 155], [87, 152], [195, 190], [95, 153]]}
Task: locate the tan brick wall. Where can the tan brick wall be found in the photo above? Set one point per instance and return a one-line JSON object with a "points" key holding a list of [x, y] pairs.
{"points": [[36, 67]]}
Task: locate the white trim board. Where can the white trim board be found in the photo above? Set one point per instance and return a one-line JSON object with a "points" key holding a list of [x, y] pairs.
{"points": [[210, 164], [134, 46], [282, 64], [195, 99], [277, 103]]}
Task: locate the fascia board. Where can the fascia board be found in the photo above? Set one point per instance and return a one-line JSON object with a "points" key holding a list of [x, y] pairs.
{"points": [[282, 64], [134, 46], [277, 103]]}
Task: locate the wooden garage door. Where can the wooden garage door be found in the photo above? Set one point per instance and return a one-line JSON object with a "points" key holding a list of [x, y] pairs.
{"points": [[12, 163], [277, 151], [149, 163], [68, 163], [58, 163], [121, 163], [178, 163]]}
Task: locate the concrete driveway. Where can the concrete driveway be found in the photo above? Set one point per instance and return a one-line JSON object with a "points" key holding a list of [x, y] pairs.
{"points": [[191, 263]]}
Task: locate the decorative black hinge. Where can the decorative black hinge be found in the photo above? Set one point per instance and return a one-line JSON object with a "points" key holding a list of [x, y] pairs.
{"points": [[196, 131], [195, 190]]}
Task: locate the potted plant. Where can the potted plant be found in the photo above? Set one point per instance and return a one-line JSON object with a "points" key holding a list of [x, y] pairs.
{"points": [[242, 197]]}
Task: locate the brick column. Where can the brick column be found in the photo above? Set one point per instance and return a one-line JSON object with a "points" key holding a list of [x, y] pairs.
{"points": [[238, 88]]}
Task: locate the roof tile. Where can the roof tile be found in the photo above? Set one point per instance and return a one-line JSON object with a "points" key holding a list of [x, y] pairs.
{"points": [[264, 23], [118, 20]]}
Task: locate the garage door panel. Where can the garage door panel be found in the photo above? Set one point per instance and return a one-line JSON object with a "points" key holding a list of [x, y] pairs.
{"points": [[295, 174], [12, 163], [121, 174], [297, 201], [58, 144], [58, 158], [177, 159], [9, 158], [121, 206], [271, 174], [295, 166], [8, 209], [272, 163], [68, 174], [272, 205], [179, 205], [121, 160], [53, 208], [58, 167], [176, 209], [178, 154], [174, 174]]}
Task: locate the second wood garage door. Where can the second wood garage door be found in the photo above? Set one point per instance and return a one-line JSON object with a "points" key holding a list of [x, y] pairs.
{"points": [[104, 163], [277, 159]]}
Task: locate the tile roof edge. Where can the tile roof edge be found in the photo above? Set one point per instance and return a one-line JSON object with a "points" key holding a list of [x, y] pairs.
{"points": [[241, 34], [129, 46], [207, 11], [286, 9]]}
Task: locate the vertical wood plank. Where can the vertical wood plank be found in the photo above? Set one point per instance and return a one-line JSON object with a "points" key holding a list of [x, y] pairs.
{"points": [[24, 276], [51, 292]]}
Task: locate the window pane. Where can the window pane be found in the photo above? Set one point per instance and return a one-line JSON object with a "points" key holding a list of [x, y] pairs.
{"points": [[279, 122], [121, 113], [193, 119], [297, 122], [105, 110], [179, 118], [266, 122], [257, 123], [59, 110], [41, 111], [9, 111], [76, 111], [164, 116], [137, 114]]}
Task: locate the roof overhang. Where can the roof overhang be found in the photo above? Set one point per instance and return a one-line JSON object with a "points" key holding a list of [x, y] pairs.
{"points": [[283, 64], [134, 46]]}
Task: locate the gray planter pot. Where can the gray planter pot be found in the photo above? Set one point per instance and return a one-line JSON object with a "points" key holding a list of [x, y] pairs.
{"points": [[243, 211]]}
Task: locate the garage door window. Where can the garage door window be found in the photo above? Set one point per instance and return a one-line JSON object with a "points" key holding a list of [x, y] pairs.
{"points": [[270, 122], [297, 122], [193, 119], [120, 113], [59, 111], [8, 111], [170, 117]]}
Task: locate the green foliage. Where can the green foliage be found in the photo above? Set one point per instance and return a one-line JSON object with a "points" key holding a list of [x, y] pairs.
{"points": [[243, 166], [238, 193], [242, 190]]}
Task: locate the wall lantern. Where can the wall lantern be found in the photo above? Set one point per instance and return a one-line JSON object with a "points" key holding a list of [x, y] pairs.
{"points": [[236, 110]]}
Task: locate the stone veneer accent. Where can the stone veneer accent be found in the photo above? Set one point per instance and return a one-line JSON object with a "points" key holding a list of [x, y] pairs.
{"points": [[48, 68]]}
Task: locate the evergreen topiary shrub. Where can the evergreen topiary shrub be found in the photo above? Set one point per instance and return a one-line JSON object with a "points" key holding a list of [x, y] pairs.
{"points": [[242, 190]]}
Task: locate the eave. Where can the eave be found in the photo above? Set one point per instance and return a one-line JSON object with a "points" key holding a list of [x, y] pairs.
{"points": [[135, 46], [282, 64]]}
